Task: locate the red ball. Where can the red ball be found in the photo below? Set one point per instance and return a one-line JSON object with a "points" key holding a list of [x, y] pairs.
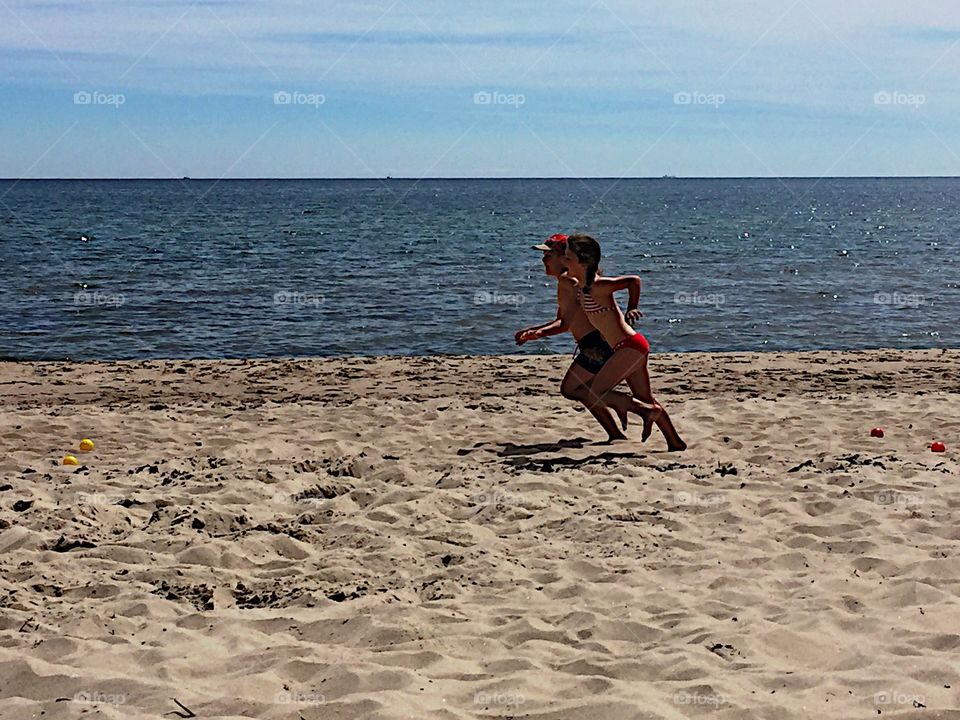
{"points": [[938, 447], [876, 432]]}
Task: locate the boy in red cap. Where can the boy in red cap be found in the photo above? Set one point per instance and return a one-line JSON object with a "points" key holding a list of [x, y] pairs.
{"points": [[592, 350]]}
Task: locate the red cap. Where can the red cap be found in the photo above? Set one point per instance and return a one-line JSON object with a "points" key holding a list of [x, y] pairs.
{"points": [[551, 242]]}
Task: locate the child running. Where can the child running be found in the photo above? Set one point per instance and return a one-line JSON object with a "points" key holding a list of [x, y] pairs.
{"points": [[630, 348], [592, 350]]}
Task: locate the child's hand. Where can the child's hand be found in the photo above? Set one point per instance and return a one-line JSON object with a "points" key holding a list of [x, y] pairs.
{"points": [[523, 335], [528, 334], [633, 316]]}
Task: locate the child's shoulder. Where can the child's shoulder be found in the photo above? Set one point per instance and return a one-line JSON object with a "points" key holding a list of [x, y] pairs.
{"points": [[604, 282]]}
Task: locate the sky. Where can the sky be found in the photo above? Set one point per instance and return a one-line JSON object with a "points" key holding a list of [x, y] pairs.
{"points": [[424, 88]]}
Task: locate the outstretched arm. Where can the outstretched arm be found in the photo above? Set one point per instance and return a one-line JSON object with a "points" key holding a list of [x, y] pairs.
{"points": [[554, 327]]}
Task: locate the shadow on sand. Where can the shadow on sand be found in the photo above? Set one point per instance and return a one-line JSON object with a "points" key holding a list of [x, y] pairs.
{"points": [[524, 457]]}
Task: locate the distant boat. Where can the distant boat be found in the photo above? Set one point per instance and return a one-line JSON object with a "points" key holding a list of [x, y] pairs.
{"points": [[186, 177], [671, 177]]}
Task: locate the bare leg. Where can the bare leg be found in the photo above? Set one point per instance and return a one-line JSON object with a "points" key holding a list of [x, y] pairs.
{"points": [[574, 387], [624, 363], [639, 383]]}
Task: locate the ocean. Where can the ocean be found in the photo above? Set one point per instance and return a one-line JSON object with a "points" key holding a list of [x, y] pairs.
{"points": [[132, 269]]}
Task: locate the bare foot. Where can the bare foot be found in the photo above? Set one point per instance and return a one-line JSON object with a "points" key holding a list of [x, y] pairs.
{"points": [[622, 414], [614, 438], [678, 446], [649, 413], [650, 417]]}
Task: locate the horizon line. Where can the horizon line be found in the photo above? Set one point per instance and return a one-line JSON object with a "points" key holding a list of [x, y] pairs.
{"points": [[492, 177]]}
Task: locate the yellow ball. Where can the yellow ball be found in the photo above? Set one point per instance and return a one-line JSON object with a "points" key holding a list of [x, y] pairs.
{"points": [[86, 445], [70, 460]]}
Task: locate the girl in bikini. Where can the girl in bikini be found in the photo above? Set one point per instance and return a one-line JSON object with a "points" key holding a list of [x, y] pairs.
{"points": [[592, 349], [630, 348]]}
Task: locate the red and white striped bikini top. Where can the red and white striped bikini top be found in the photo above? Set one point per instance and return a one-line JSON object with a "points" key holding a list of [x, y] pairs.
{"points": [[590, 305]]}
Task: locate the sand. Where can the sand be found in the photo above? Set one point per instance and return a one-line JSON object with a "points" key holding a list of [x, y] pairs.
{"points": [[445, 538]]}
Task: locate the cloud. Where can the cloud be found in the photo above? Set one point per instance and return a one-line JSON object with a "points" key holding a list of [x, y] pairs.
{"points": [[598, 71], [929, 35], [751, 48]]}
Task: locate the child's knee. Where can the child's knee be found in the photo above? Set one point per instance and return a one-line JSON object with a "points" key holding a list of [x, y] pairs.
{"points": [[571, 389]]}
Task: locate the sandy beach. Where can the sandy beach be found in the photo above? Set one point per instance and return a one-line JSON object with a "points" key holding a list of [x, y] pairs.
{"points": [[444, 537]]}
